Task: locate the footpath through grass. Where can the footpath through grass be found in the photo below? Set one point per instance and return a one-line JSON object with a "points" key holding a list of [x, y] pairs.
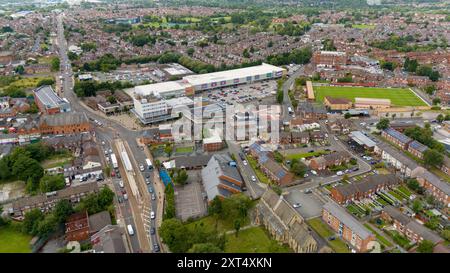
{"points": [[338, 245], [398, 96], [12, 241]]}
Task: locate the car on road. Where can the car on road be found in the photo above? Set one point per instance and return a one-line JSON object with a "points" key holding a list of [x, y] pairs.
{"points": [[125, 197], [314, 172], [152, 231], [141, 167], [147, 181], [103, 143], [120, 199], [339, 173], [147, 175], [152, 215], [130, 230], [110, 151], [305, 175], [121, 184], [106, 152], [245, 162], [153, 196], [297, 205], [156, 248], [253, 178], [118, 175], [307, 191]]}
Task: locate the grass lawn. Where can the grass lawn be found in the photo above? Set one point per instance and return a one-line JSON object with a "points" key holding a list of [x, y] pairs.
{"points": [[303, 155], [209, 222], [396, 195], [324, 231], [404, 190], [399, 239], [398, 96], [253, 240], [12, 241], [380, 238], [27, 82], [261, 176], [363, 26], [184, 150], [56, 162]]}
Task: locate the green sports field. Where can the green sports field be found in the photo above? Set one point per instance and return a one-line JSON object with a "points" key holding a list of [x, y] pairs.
{"points": [[398, 96]]}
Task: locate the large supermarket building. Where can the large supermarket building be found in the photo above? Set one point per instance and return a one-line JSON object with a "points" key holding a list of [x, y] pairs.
{"points": [[154, 102], [191, 84]]}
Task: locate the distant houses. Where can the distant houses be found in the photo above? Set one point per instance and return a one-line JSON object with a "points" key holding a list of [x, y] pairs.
{"points": [[324, 162]]}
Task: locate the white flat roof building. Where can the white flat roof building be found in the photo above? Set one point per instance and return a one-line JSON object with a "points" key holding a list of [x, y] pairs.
{"points": [[162, 89], [248, 74]]}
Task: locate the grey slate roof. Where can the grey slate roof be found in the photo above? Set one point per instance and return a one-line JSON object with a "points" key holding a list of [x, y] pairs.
{"points": [[368, 183], [397, 135], [62, 119], [47, 96], [99, 220], [412, 225], [418, 146], [192, 161], [348, 220], [434, 180]]}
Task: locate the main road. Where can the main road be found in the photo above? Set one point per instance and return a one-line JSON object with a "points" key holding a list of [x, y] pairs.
{"points": [[109, 132]]}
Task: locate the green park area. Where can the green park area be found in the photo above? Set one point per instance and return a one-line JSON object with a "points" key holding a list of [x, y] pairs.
{"points": [[398, 96], [184, 150], [253, 240], [305, 155], [12, 241], [363, 26], [325, 232]]}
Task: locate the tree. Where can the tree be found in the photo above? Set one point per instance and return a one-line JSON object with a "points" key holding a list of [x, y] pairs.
{"points": [[440, 118], [45, 82], [436, 101], [425, 246], [237, 226], [205, 248], [278, 157], [62, 210], [47, 226], [433, 158], [280, 96], [246, 54], [55, 64], [433, 223], [179, 176], [347, 115], [28, 169], [446, 234], [190, 51], [31, 221], [413, 184], [19, 70], [105, 198], [175, 235], [168, 149], [49, 183], [297, 167], [430, 89], [388, 65], [417, 206], [383, 124]]}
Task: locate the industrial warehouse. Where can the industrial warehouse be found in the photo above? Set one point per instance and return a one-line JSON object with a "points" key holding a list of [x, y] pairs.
{"points": [[154, 102]]}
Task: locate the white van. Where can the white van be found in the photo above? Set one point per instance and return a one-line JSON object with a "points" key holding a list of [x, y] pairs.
{"points": [[130, 230]]}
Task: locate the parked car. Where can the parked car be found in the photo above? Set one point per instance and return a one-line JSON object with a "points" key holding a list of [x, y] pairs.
{"points": [[245, 162], [152, 231], [121, 184], [125, 196], [153, 196], [120, 199], [307, 191], [253, 178], [297, 205], [147, 181], [156, 248], [141, 167], [152, 215]]}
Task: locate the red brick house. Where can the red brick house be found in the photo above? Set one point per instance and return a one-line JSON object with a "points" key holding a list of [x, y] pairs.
{"points": [[347, 227]]}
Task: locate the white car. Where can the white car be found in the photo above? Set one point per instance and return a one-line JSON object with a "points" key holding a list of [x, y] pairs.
{"points": [[314, 172], [141, 167], [152, 215], [297, 205], [121, 183], [253, 178], [245, 162]]}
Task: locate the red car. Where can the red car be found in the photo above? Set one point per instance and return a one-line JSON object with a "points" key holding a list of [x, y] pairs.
{"points": [[113, 174]]}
